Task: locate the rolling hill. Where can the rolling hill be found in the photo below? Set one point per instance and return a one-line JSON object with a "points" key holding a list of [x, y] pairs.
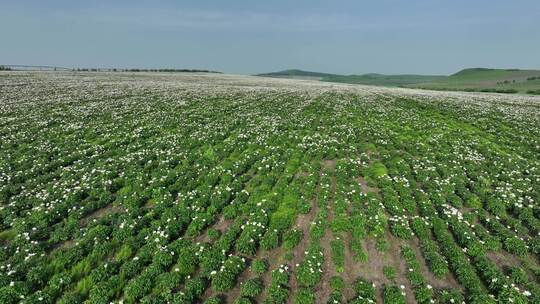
{"points": [[383, 80], [297, 74], [487, 80], [473, 79], [367, 79]]}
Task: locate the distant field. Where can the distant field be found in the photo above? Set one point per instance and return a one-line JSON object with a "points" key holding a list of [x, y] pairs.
{"points": [[383, 80], [297, 74], [365, 79], [218, 189], [477, 79], [520, 81]]}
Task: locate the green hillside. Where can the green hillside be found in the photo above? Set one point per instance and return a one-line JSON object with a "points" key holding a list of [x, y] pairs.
{"points": [[383, 80], [295, 73], [367, 79], [488, 80], [474, 79]]}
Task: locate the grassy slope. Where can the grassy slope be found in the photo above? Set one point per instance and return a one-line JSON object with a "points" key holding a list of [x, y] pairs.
{"points": [[367, 79], [478, 79], [383, 80], [295, 73]]}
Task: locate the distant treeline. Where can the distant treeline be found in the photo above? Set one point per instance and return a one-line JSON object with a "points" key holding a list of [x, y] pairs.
{"points": [[144, 70], [4, 68], [533, 78]]}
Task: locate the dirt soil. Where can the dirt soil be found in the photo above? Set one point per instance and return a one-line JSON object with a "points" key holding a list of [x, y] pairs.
{"points": [[109, 209]]}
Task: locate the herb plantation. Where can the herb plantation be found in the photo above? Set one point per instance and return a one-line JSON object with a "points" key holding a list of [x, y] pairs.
{"points": [[208, 188]]}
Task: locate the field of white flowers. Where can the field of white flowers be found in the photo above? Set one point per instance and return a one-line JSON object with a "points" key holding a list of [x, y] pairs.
{"points": [[210, 188]]}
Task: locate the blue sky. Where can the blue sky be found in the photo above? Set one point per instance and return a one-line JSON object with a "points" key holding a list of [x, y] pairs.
{"points": [[244, 37]]}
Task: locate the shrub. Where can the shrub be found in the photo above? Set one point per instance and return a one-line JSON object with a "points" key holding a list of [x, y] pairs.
{"points": [[518, 276], [84, 286], [251, 232], [309, 272], [365, 289], [230, 212], [292, 238], [359, 253], [225, 278], [259, 267], [515, 246], [251, 288], [336, 283], [336, 297], [192, 290], [304, 296], [214, 300], [340, 224], [213, 234], [7, 235], [8, 295], [382, 245], [140, 285], [473, 201], [338, 254], [394, 295], [435, 261], [282, 219], [278, 292], [389, 272], [377, 169], [450, 296], [243, 301], [270, 240], [400, 227]]}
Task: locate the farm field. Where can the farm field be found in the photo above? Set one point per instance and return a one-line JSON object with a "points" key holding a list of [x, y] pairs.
{"points": [[509, 81], [213, 188], [372, 79], [494, 80]]}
